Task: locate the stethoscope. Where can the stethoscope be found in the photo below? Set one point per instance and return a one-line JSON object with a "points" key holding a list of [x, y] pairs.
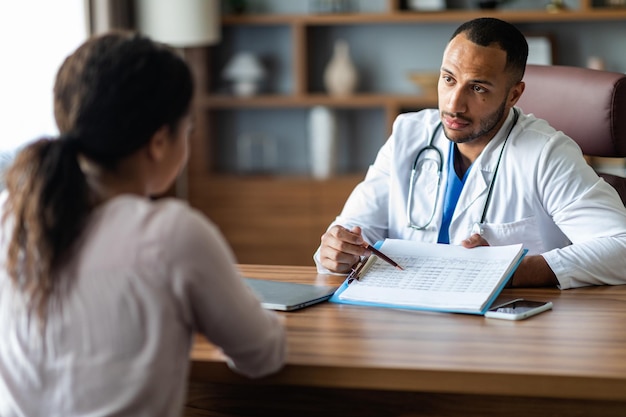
{"points": [[439, 162]]}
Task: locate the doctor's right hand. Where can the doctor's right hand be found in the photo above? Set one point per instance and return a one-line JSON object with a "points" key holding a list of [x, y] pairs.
{"points": [[341, 248]]}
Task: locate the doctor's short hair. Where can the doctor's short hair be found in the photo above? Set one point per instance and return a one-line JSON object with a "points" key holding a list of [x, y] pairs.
{"points": [[485, 31]]}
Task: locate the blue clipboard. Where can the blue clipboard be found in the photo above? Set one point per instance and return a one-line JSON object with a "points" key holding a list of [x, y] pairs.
{"points": [[335, 298]]}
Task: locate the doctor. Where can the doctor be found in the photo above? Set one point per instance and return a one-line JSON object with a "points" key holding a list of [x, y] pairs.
{"points": [[478, 171]]}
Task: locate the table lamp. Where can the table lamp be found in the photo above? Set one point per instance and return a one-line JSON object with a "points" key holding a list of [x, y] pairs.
{"points": [[180, 23], [246, 73]]}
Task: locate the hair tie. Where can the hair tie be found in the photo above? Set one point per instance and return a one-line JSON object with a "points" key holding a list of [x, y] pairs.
{"points": [[70, 141]]}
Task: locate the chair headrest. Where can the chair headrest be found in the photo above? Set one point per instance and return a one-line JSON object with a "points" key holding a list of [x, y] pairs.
{"points": [[587, 105]]}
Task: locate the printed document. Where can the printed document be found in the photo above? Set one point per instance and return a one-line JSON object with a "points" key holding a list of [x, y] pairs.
{"points": [[435, 277]]}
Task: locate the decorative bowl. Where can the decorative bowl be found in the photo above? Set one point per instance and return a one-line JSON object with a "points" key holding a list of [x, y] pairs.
{"points": [[426, 82]]}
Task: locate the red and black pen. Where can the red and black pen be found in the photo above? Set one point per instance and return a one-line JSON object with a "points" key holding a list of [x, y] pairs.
{"points": [[382, 256]]}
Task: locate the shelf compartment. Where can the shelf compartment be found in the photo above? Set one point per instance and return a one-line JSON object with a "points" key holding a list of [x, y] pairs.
{"points": [[276, 141], [272, 45]]}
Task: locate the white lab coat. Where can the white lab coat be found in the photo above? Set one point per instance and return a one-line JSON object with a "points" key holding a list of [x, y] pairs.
{"points": [[545, 196]]}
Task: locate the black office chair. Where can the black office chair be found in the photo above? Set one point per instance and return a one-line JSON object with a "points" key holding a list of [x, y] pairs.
{"points": [[587, 105]]}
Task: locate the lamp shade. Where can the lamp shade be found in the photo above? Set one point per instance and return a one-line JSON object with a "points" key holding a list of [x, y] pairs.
{"points": [[179, 23]]}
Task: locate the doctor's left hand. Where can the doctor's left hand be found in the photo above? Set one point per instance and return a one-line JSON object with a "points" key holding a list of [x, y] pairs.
{"points": [[474, 240]]}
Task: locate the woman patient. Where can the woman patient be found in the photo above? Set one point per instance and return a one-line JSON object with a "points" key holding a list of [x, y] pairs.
{"points": [[102, 289]]}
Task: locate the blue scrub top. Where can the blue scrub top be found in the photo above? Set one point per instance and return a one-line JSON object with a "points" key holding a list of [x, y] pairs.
{"points": [[454, 187]]}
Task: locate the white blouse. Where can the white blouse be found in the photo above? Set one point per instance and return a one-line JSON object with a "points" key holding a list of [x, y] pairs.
{"points": [[146, 277]]}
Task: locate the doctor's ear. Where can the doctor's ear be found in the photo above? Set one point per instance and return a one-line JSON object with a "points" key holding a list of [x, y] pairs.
{"points": [[516, 92]]}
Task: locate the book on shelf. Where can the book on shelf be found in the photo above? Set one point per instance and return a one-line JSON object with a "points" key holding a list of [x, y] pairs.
{"points": [[436, 277]]}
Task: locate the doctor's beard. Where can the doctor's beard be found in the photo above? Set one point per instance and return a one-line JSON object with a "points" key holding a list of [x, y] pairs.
{"points": [[487, 125]]}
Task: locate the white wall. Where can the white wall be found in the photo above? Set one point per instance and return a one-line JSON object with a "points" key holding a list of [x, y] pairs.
{"points": [[35, 38]]}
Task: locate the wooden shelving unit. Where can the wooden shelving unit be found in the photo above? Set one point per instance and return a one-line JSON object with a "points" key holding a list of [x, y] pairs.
{"points": [[278, 219], [583, 14]]}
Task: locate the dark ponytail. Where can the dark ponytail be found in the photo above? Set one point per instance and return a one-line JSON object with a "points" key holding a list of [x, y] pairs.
{"points": [[48, 205]]}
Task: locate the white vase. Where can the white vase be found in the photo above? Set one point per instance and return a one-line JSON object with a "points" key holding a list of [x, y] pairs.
{"points": [[340, 76], [322, 142]]}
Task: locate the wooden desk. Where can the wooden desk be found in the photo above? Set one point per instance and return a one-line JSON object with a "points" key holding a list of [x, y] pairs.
{"points": [[361, 361]]}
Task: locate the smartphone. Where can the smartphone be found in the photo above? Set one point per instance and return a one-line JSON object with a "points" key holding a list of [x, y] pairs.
{"points": [[518, 309]]}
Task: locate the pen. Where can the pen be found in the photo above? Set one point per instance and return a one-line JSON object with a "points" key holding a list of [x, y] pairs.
{"points": [[382, 256]]}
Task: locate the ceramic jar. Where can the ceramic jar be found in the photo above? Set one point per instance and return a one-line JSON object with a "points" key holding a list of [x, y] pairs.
{"points": [[340, 75]]}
